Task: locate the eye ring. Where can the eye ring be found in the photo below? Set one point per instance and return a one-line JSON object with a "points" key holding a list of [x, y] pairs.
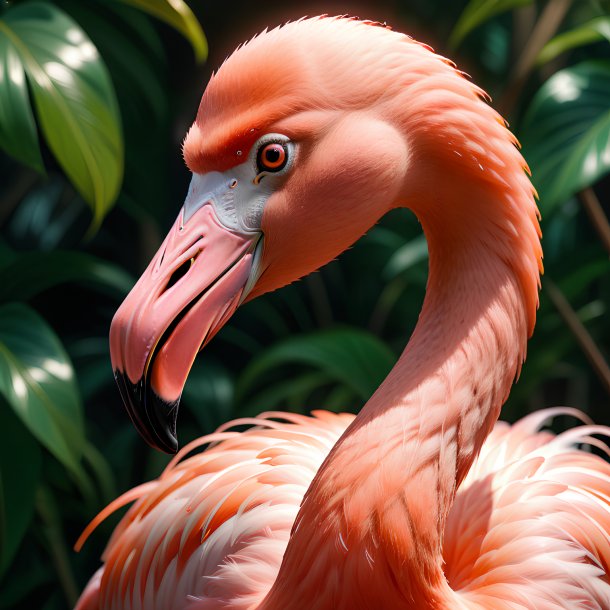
{"points": [[272, 157]]}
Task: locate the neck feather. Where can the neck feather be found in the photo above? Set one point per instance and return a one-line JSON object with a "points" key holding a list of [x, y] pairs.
{"points": [[369, 532]]}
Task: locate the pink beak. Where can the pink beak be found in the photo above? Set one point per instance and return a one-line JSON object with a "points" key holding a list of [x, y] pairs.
{"points": [[190, 289]]}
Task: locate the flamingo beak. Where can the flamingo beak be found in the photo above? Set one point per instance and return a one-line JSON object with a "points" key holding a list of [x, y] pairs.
{"points": [[201, 273]]}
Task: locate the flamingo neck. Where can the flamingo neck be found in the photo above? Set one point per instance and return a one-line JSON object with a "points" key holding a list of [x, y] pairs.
{"points": [[369, 532]]}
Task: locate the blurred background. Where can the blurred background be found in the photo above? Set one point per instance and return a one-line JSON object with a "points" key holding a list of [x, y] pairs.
{"points": [[95, 98]]}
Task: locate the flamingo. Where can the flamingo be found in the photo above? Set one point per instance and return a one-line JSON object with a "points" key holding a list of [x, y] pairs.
{"points": [[305, 137]]}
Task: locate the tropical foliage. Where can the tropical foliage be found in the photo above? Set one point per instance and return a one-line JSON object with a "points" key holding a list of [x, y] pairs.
{"points": [[94, 98]]}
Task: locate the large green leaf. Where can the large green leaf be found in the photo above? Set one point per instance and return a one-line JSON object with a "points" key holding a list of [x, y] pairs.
{"points": [[74, 98], [18, 136], [177, 14], [37, 381], [20, 466], [289, 393], [587, 33], [33, 272], [478, 12], [353, 357], [118, 32], [566, 132]]}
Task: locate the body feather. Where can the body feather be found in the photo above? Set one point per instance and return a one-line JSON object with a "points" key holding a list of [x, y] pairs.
{"points": [[529, 528]]}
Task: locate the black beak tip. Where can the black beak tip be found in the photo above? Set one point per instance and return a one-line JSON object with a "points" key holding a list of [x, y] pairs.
{"points": [[163, 416], [154, 418]]}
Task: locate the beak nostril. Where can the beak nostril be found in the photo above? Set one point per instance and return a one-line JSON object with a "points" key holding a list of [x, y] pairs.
{"points": [[179, 273]]}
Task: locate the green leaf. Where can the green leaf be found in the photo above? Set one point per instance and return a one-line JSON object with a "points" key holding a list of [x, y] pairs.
{"points": [[587, 33], [34, 272], [576, 283], [177, 14], [48, 216], [74, 97], [566, 132], [353, 357], [37, 380], [15, 590], [90, 358], [102, 471], [18, 136], [20, 466], [338, 399], [286, 393], [208, 394], [118, 32], [409, 254], [478, 12]]}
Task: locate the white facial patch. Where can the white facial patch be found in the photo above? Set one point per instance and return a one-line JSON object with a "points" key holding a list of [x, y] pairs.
{"points": [[237, 195], [237, 200]]}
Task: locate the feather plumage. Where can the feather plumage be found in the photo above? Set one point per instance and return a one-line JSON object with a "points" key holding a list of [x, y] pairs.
{"points": [[406, 506], [529, 528]]}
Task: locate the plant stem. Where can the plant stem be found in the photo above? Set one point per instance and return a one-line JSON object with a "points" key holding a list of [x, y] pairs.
{"points": [[52, 532], [593, 207], [524, 20], [581, 334], [547, 24]]}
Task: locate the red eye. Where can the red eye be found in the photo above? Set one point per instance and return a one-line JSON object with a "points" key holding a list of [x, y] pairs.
{"points": [[271, 157]]}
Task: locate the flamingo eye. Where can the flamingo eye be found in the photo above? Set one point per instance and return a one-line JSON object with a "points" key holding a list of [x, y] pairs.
{"points": [[272, 157]]}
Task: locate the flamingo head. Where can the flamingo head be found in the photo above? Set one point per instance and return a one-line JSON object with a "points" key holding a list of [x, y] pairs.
{"points": [[304, 138]]}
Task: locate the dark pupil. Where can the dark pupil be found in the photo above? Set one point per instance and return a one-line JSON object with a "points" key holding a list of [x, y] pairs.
{"points": [[272, 155]]}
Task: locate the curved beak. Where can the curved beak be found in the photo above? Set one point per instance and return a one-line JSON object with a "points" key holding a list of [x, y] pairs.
{"points": [[190, 289]]}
